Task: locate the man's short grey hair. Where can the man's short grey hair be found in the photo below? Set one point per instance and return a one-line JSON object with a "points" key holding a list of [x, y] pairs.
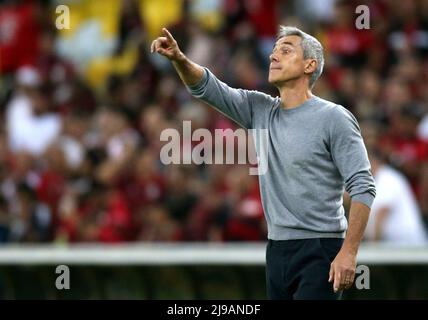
{"points": [[312, 49]]}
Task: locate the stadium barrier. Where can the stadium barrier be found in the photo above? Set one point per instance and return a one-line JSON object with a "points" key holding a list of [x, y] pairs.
{"points": [[186, 254], [186, 271]]}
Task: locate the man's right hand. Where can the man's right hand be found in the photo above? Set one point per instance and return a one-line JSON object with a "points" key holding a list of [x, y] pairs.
{"points": [[189, 72], [167, 46]]}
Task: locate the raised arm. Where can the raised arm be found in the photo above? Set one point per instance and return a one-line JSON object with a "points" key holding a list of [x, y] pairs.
{"points": [[238, 104]]}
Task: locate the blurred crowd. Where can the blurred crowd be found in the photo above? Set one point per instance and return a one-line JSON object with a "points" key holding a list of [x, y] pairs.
{"points": [[82, 109]]}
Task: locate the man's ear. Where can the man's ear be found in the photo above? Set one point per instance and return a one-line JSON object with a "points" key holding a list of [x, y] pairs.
{"points": [[311, 66]]}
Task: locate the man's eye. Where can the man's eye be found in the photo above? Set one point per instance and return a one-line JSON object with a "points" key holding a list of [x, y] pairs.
{"points": [[285, 50]]}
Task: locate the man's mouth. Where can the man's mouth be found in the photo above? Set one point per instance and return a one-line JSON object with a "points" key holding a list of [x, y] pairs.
{"points": [[274, 68]]}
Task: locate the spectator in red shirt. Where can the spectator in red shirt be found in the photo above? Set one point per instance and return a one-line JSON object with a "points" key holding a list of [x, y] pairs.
{"points": [[19, 31]]}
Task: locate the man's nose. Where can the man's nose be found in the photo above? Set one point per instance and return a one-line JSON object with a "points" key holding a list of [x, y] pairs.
{"points": [[273, 58]]}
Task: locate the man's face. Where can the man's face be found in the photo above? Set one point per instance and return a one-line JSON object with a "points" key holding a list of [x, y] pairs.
{"points": [[286, 61]]}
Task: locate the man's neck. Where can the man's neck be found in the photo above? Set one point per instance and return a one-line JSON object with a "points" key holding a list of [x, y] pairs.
{"points": [[294, 96]]}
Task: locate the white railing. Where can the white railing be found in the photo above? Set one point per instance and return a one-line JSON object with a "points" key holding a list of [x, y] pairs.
{"points": [[184, 254]]}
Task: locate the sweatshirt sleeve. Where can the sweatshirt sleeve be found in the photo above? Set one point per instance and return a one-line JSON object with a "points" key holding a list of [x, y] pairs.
{"points": [[350, 156], [236, 104]]}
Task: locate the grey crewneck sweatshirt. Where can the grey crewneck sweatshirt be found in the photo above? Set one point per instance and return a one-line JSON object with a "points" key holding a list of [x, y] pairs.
{"points": [[315, 151]]}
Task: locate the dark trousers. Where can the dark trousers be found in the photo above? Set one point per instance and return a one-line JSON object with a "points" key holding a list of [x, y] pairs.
{"points": [[299, 269]]}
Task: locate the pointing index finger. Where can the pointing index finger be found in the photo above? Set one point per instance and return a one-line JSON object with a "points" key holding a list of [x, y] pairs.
{"points": [[168, 34]]}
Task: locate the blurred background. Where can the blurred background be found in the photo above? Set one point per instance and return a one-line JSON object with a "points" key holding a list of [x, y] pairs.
{"points": [[81, 111]]}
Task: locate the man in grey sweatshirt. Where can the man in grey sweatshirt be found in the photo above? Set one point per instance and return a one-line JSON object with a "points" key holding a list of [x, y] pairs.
{"points": [[315, 152]]}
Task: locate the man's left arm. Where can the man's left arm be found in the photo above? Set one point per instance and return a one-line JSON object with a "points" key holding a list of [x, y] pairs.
{"points": [[350, 157], [342, 269]]}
